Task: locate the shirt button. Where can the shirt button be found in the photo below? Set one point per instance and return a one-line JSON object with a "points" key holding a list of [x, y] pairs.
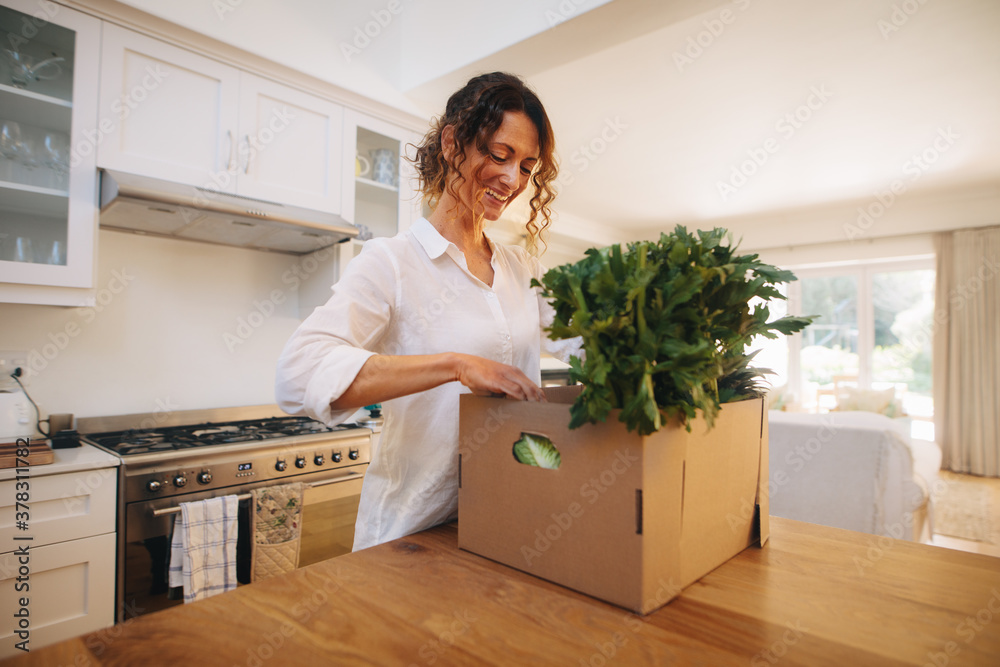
{"points": [[506, 337], [491, 294]]}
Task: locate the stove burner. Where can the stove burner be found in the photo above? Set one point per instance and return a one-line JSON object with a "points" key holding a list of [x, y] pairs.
{"points": [[147, 441]]}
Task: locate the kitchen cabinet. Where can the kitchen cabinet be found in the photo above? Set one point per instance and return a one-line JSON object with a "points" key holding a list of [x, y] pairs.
{"points": [[71, 554], [167, 112], [173, 114], [381, 202], [48, 180], [290, 146]]}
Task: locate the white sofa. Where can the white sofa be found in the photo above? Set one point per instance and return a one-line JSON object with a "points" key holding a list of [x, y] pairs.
{"points": [[855, 470]]}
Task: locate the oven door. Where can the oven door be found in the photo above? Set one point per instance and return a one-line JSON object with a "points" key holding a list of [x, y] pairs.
{"points": [[329, 512]]}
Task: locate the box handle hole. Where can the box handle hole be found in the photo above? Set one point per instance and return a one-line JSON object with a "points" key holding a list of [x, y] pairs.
{"points": [[534, 449]]}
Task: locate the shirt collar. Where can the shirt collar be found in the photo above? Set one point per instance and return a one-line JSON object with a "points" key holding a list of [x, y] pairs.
{"points": [[433, 243]]}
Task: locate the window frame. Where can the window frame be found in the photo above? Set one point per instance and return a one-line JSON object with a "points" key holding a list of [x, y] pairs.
{"points": [[864, 271]]}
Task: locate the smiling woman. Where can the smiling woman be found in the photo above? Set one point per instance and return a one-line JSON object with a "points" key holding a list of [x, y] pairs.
{"points": [[436, 311], [495, 117]]}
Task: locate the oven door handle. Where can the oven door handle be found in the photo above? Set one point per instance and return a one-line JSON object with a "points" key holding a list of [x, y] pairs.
{"points": [[177, 508], [247, 496], [336, 480]]}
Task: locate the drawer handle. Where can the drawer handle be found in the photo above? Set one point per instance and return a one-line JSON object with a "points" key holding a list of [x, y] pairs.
{"points": [[335, 480]]}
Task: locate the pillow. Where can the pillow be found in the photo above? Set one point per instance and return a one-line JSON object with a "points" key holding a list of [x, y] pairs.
{"points": [[882, 401]]}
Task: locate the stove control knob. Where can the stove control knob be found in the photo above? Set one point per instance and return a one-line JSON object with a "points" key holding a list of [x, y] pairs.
{"points": [[204, 477], [300, 462], [280, 466], [353, 454], [180, 480], [318, 459], [153, 485], [336, 457]]}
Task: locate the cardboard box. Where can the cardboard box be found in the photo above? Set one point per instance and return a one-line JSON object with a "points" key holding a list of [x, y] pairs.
{"points": [[628, 519]]}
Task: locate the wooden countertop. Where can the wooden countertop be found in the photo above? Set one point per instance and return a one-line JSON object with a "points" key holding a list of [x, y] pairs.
{"points": [[813, 596]]}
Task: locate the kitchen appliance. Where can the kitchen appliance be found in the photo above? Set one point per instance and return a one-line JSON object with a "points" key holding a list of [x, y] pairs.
{"points": [[170, 458], [154, 206]]}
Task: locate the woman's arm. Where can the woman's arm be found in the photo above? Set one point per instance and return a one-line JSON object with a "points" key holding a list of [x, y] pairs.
{"points": [[384, 377]]}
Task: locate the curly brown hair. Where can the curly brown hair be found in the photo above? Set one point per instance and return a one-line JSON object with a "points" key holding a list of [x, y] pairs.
{"points": [[476, 112]]}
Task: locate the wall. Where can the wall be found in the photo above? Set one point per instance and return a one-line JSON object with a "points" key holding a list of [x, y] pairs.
{"points": [[173, 329]]}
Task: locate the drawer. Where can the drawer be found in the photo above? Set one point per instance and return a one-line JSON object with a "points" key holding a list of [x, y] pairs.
{"points": [[60, 507], [71, 591]]}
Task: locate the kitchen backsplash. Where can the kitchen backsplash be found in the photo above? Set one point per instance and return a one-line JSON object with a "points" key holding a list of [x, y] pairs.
{"points": [[177, 325]]}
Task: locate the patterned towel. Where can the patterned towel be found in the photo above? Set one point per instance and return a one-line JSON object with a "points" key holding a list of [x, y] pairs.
{"points": [[277, 529], [203, 549]]}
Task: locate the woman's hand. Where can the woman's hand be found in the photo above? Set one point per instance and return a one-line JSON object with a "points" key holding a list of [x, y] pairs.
{"points": [[486, 377]]}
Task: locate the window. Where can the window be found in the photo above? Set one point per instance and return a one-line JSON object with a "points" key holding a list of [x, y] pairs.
{"points": [[870, 346]]}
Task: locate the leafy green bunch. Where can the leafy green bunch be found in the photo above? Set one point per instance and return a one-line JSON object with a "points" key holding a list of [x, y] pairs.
{"points": [[665, 326]]}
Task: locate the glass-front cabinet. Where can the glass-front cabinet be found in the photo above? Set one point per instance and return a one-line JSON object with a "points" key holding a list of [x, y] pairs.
{"points": [[380, 196], [48, 143]]}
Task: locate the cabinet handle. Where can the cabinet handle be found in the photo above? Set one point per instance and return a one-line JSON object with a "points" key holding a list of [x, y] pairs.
{"points": [[246, 169], [232, 151]]}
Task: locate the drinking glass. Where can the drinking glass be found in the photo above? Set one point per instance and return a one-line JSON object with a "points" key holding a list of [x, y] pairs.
{"points": [[30, 159], [24, 68], [10, 149], [57, 254], [56, 159], [23, 251]]}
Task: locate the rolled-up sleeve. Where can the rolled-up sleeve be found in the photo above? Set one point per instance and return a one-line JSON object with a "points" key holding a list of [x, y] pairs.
{"points": [[328, 350]]}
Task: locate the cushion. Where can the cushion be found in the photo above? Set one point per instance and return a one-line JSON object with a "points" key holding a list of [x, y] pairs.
{"points": [[881, 401]]}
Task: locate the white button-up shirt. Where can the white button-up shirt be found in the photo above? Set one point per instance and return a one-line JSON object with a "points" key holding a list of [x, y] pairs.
{"points": [[414, 294]]}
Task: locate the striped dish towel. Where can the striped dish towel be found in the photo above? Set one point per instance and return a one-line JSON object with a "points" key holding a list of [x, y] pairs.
{"points": [[203, 549]]}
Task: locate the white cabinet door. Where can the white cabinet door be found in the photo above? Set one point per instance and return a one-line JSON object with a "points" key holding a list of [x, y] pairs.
{"points": [[166, 112], [48, 184], [289, 146], [71, 591]]}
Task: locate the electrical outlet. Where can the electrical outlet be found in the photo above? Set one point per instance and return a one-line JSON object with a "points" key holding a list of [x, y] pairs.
{"points": [[10, 361]]}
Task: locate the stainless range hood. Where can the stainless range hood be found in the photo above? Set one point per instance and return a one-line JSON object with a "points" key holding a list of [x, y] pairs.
{"points": [[162, 208]]}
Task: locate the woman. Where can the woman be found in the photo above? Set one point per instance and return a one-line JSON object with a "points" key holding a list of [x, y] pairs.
{"points": [[435, 311]]}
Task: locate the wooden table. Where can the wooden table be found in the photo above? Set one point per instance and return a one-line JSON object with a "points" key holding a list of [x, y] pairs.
{"points": [[812, 596]]}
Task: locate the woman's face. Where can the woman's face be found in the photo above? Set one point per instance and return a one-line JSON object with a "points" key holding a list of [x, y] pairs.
{"points": [[503, 172]]}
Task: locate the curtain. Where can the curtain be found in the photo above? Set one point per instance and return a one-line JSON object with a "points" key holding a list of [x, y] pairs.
{"points": [[967, 351]]}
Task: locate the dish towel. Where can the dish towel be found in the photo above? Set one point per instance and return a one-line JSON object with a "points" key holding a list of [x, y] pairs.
{"points": [[277, 529], [203, 549]]}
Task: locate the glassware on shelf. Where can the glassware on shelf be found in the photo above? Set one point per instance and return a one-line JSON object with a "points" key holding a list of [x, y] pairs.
{"points": [[10, 149], [23, 250], [25, 69], [57, 254], [30, 159], [56, 159]]}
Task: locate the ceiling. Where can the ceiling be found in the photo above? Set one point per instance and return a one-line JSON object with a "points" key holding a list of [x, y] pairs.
{"points": [[698, 112]]}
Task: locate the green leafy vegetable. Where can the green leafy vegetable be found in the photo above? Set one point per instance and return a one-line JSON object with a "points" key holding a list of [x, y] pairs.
{"points": [[665, 325], [537, 450]]}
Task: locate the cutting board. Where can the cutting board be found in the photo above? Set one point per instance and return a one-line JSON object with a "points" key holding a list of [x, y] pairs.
{"points": [[39, 453]]}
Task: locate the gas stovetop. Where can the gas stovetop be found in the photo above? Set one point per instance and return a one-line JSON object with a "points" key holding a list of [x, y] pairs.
{"points": [[172, 438], [200, 451]]}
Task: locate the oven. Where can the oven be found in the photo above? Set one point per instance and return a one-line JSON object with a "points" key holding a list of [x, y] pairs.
{"points": [[164, 465]]}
